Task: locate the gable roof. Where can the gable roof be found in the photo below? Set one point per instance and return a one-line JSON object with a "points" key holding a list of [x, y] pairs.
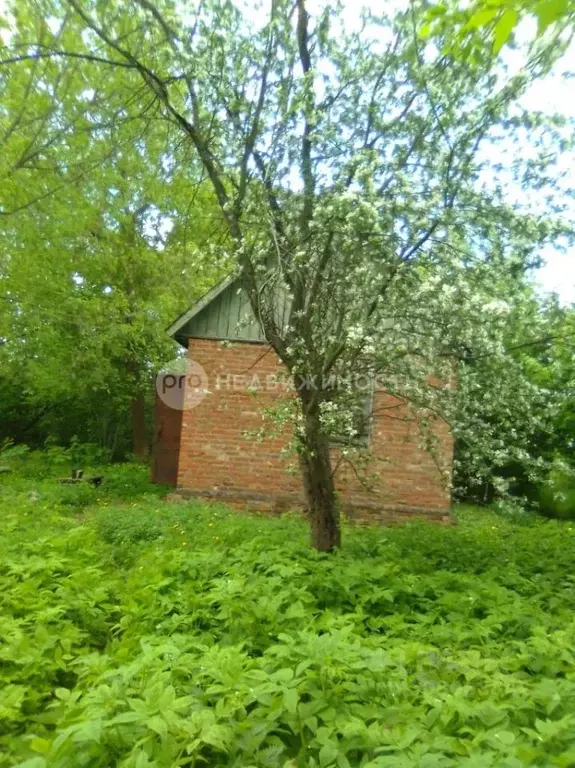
{"points": [[224, 312], [196, 308]]}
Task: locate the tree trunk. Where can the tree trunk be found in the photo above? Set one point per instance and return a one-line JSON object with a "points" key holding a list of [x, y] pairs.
{"points": [[140, 445], [319, 489]]}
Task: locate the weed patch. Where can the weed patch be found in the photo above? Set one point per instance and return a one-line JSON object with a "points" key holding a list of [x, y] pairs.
{"points": [[151, 634]]}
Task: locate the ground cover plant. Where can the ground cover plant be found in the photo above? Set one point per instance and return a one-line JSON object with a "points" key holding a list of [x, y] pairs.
{"points": [[138, 632]]}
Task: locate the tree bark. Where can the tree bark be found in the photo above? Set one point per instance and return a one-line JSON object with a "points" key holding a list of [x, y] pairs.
{"points": [[140, 443], [319, 488]]}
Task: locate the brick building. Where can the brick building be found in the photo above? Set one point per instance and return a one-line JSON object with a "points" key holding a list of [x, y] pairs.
{"points": [[211, 449]]}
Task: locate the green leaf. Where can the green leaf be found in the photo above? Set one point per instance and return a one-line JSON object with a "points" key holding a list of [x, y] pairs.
{"points": [[142, 760], [217, 736], [284, 675], [425, 32], [62, 693], [482, 18], [159, 725], [302, 666], [550, 11], [90, 731], [126, 717], [503, 29], [290, 699], [505, 737], [328, 753], [40, 745]]}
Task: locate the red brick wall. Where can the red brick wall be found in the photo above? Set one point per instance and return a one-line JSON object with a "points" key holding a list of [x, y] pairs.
{"points": [[217, 459]]}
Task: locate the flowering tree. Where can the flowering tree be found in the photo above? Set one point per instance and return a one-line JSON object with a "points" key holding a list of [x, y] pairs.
{"points": [[347, 162], [514, 405]]}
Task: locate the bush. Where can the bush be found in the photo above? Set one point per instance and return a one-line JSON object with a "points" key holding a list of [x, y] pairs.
{"points": [[10, 453], [557, 496], [129, 481], [78, 496], [125, 526]]}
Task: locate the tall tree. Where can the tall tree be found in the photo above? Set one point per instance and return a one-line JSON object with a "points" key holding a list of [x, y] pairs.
{"points": [[518, 402], [103, 241]]}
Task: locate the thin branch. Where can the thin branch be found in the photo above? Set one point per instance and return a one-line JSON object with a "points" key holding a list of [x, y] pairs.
{"points": [[69, 55]]}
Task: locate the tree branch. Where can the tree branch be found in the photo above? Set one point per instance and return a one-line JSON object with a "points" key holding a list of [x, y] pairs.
{"points": [[306, 142]]}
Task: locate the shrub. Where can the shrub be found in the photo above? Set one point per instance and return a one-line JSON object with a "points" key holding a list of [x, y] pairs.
{"points": [[129, 481], [9, 452], [557, 496], [128, 526], [78, 496]]}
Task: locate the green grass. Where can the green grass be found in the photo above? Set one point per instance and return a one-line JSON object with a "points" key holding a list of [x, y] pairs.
{"points": [[137, 633]]}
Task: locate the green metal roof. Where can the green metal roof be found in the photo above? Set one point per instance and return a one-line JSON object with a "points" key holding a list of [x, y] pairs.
{"points": [[224, 312]]}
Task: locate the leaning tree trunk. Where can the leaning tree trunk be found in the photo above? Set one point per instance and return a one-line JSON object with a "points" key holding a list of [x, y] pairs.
{"points": [[319, 489]]}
